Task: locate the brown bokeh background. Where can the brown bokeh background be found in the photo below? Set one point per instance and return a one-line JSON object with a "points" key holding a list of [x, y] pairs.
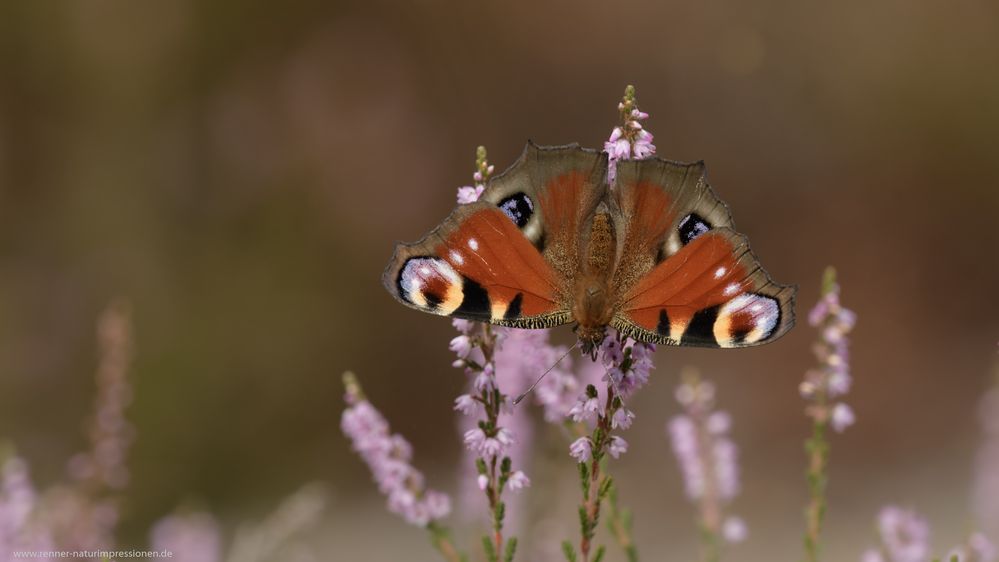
{"points": [[241, 170]]}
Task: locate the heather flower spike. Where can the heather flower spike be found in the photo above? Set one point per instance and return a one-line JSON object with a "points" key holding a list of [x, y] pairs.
{"points": [[388, 457], [626, 365], [708, 462], [629, 140], [477, 347], [822, 388]]}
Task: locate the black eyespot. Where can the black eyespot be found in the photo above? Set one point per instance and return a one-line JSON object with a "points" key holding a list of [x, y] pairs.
{"points": [[691, 227], [519, 208]]}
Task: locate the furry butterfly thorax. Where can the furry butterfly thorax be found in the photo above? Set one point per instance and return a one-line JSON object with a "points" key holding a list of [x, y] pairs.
{"points": [[551, 242]]}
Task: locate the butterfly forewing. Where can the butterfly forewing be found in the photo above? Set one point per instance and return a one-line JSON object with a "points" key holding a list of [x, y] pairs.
{"points": [[560, 187], [509, 258]]}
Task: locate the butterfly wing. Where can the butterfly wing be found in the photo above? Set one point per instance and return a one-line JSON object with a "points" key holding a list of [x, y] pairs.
{"points": [[685, 276], [509, 257]]}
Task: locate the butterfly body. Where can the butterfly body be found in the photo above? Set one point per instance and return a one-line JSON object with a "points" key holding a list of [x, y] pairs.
{"points": [[550, 242]]}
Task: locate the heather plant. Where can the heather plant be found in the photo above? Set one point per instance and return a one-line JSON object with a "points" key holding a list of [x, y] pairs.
{"points": [[81, 513], [587, 399]]}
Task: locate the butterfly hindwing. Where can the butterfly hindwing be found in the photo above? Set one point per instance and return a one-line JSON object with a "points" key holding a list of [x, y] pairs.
{"points": [[711, 293], [508, 258]]}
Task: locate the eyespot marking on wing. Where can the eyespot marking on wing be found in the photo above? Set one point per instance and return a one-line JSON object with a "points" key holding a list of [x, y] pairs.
{"points": [[692, 226], [518, 207], [748, 318], [431, 284]]}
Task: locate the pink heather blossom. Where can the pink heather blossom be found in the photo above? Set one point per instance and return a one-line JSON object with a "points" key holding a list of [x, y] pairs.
{"points": [[842, 417], [978, 548], [475, 439], [518, 480], [467, 405], [470, 194], [707, 457], [718, 423], [193, 537], [622, 418], [581, 449], [388, 456], [586, 409], [611, 352], [483, 481], [111, 434], [617, 446], [629, 140], [463, 326], [904, 535], [485, 381], [734, 530], [461, 346], [18, 502], [831, 379], [643, 147]]}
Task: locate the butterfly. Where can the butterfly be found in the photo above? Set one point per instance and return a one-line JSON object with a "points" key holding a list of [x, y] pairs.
{"points": [[550, 241]]}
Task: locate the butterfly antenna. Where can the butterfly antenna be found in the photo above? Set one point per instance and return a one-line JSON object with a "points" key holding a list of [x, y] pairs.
{"points": [[524, 394]]}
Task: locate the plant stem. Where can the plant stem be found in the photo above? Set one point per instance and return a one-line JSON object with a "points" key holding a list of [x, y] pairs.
{"points": [[442, 542]]}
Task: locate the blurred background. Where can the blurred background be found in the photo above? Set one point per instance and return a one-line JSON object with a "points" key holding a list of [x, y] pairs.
{"points": [[240, 172]]}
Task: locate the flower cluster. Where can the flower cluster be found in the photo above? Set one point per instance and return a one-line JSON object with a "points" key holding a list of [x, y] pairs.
{"points": [[388, 456], [193, 537], [904, 537], [627, 365], [111, 434], [470, 193], [477, 348], [18, 502], [708, 459], [977, 548], [630, 140], [832, 379], [626, 368], [820, 387]]}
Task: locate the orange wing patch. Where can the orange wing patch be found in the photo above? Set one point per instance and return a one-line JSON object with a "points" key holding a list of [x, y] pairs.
{"points": [[484, 270]]}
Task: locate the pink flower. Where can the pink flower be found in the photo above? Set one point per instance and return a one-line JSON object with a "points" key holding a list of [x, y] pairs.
{"points": [[482, 481], [461, 346], [518, 480], [469, 194], [581, 449], [617, 446], [467, 405], [192, 538], [842, 417], [734, 530], [618, 147], [387, 456], [622, 418], [475, 439], [904, 535], [611, 351], [585, 409]]}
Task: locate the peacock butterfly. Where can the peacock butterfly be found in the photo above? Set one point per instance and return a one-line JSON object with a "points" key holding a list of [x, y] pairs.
{"points": [[550, 241]]}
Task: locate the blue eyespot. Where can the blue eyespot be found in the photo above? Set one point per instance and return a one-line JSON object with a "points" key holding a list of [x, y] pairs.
{"points": [[519, 208], [691, 227]]}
